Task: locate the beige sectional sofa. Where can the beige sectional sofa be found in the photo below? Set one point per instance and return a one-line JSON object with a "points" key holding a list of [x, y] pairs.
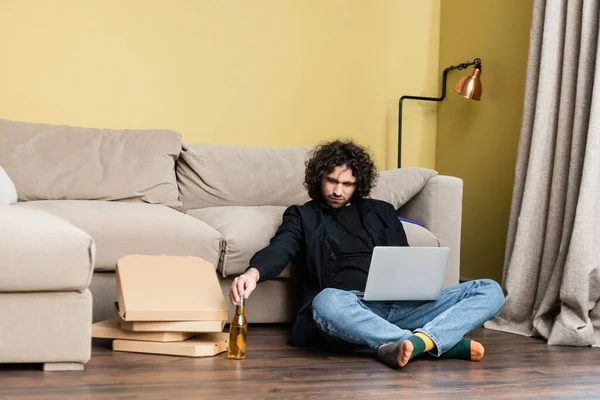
{"points": [[88, 197]]}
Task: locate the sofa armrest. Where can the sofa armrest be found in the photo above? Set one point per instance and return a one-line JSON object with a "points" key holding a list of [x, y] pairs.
{"points": [[41, 252], [439, 207]]}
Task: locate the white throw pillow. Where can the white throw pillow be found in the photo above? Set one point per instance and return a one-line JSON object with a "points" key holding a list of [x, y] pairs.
{"points": [[8, 191]]}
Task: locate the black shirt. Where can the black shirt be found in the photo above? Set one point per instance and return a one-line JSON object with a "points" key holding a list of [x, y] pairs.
{"points": [[353, 247], [304, 237]]}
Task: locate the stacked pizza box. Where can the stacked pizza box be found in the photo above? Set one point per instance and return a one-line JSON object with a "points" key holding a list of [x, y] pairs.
{"points": [[166, 305]]}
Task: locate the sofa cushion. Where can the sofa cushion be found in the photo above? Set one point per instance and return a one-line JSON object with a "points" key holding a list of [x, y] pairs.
{"points": [[398, 186], [119, 229], [419, 237], [8, 192], [42, 252], [52, 162], [245, 230], [214, 175]]}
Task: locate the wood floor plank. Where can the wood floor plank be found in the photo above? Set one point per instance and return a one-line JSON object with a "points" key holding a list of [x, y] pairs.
{"points": [[590, 388], [513, 367]]}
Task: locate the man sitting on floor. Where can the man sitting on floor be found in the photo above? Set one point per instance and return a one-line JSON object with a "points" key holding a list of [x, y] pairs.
{"points": [[331, 238]]}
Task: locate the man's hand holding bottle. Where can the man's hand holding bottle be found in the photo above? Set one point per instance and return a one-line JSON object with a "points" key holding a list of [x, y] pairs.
{"points": [[243, 285]]}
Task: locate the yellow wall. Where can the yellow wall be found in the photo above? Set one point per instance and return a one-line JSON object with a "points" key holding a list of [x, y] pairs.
{"points": [[262, 72], [477, 141], [287, 73]]}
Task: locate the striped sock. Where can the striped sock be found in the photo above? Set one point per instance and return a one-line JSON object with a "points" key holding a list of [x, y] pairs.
{"points": [[466, 349]]}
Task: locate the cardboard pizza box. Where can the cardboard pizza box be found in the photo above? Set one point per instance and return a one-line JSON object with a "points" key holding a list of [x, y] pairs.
{"points": [[168, 288], [202, 345], [173, 326], [111, 329]]}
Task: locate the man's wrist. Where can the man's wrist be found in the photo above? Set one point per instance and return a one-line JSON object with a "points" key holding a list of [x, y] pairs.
{"points": [[252, 271]]}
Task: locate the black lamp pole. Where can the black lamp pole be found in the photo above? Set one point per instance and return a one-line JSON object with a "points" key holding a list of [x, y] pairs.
{"points": [[476, 62]]}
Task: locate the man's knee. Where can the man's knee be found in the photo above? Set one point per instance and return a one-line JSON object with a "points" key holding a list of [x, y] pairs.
{"points": [[327, 304], [494, 293]]}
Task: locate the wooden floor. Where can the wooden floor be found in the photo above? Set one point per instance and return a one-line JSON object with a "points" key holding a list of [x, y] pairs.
{"points": [[513, 367]]}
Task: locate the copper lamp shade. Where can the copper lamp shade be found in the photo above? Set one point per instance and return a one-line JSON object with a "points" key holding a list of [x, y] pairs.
{"points": [[470, 86]]}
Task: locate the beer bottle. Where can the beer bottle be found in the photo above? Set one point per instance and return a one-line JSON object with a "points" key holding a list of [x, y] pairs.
{"points": [[237, 332]]}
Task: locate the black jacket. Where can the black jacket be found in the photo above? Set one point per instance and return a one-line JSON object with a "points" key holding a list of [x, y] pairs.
{"points": [[301, 239]]}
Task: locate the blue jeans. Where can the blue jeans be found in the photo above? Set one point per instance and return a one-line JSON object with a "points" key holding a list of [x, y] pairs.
{"points": [[459, 310]]}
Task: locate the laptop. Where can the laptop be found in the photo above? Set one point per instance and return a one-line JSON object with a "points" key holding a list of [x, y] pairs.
{"points": [[406, 273]]}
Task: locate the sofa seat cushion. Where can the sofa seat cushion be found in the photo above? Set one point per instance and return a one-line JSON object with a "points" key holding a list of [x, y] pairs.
{"points": [[119, 229], [245, 230], [42, 252]]}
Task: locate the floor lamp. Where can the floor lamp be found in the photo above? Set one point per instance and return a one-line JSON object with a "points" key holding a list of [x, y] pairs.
{"points": [[468, 87]]}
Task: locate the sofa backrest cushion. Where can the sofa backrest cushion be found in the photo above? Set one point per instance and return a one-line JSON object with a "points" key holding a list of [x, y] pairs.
{"points": [[212, 175], [398, 186], [55, 162]]}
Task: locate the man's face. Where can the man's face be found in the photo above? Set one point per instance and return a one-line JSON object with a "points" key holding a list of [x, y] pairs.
{"points": [[338, 187]]}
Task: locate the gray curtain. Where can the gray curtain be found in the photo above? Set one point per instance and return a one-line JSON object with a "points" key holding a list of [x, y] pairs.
{"points": [[552, 263]]}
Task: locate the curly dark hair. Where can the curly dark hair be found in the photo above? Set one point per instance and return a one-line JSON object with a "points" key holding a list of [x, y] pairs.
{"points": [[325, 157]]}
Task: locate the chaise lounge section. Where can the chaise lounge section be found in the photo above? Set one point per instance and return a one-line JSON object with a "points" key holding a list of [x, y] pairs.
{"points": [[46, 266]]}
